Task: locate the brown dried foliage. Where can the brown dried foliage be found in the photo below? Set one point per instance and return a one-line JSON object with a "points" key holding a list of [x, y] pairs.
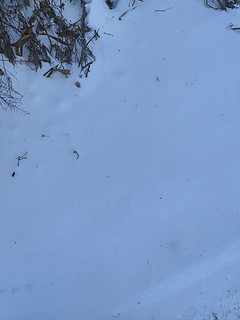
{"points": [[36, 31]]}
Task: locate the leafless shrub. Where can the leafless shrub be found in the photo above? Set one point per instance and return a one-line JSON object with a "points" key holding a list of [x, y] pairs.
{"points": [[37, 32], [9, 98], [222, 4]]}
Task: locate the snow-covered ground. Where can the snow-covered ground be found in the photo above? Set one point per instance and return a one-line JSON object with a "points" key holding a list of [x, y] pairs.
{"points": [[144, 225]]}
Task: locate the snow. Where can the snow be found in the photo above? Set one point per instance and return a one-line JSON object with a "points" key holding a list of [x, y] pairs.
{"points": [[144, 225]]}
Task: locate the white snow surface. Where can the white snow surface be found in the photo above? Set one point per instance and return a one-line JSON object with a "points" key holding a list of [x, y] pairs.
{"points": [[144, 225]]}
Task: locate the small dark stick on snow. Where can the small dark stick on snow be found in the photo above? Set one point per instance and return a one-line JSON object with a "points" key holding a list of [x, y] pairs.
{"points": [[108, 34], [124, 13], [163, 10], [76, 153], [19, 158]]}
